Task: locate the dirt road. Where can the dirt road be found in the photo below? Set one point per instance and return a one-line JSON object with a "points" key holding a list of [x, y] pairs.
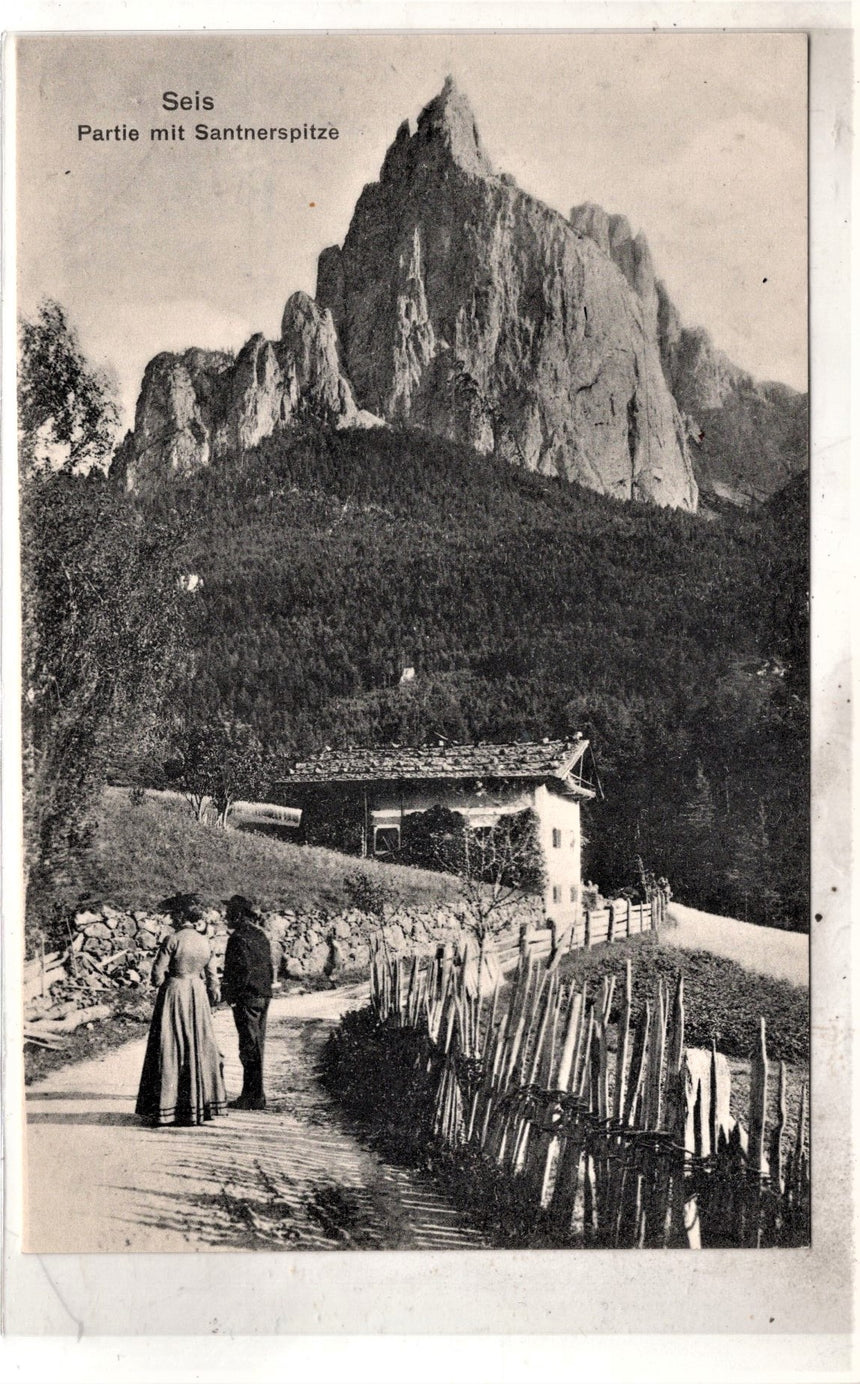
{"points": [[294, 1177], [769, 950]]}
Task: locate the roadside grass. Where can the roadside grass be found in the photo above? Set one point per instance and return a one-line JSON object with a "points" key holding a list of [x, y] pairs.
{"points": [[144, 852], [722, 1000], [796, 1076]]}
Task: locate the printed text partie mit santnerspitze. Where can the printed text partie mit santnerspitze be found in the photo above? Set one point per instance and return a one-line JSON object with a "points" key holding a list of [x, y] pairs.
{"points": [[177, 132]]}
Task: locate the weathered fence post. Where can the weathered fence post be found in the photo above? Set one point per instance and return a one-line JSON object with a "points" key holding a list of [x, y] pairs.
{"points": [[651, 1157], [524, 942], [755, 1151]]}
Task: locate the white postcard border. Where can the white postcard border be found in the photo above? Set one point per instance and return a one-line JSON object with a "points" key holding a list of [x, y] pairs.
{"points": [[586, 1296]]}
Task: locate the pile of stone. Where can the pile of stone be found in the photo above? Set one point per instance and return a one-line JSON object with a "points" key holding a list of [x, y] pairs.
{"points": [[321, 943], [112, 949], [109, 950]]}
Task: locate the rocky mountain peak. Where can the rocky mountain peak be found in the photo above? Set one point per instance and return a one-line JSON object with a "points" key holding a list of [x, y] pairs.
{"points": [[309, 356], [470, 309], [449, 121], [446, 133], [460, 305], [203, 407]]}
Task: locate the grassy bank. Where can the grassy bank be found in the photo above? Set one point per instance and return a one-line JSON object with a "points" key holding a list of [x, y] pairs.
{"points": [[723, 1001], [143, 852]]}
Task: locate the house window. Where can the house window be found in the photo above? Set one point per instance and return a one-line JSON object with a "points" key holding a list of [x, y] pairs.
{"points": [[556, 893], [573, 840], [573, 893], [556, 836], [386, 840]]}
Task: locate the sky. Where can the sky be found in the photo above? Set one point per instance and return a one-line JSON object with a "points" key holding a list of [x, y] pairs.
{"points": [[698, 138]]}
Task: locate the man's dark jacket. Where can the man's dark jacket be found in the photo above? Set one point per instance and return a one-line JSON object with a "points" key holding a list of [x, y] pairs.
{"points": [[247, 966]]}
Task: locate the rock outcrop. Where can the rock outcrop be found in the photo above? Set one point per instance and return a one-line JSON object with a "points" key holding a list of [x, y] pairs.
{"points": [[461, 305], [466, 307], [176, 420], [746, 438], [205, 406]]}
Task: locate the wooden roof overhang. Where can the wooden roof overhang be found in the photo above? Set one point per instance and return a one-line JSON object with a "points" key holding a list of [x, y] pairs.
{"points": [[559, 762]]}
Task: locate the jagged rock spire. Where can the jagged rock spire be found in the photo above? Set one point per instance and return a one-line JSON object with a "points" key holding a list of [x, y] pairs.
{"points": [[467, 308], [449, 119], [463, 306]]}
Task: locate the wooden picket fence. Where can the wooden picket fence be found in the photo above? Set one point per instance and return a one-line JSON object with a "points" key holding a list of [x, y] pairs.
{"points": [[612, 923], [615, 1133]]}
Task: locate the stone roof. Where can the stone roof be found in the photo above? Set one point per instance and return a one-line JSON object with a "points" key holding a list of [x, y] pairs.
{"points": [[558, 759]]}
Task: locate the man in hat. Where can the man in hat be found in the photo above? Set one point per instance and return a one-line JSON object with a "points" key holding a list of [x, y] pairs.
{"points": [[247, 985]]}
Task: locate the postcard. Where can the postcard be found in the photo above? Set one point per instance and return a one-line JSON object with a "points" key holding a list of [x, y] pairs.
{"points": [[419, 773]]}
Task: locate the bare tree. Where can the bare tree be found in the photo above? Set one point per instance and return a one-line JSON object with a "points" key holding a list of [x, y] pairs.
{"points": [[499, 865], [495, 865]]}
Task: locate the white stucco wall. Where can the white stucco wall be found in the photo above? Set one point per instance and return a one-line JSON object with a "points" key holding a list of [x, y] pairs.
{"points": [[561, 842], [556, 814]]}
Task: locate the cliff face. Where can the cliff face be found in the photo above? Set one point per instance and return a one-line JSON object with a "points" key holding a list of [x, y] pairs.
{"points": [[460, 304], [466, 307], [175, 422], [746, 438], [203, 406]]}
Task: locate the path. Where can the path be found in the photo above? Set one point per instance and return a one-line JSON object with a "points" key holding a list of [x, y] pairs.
{"points": [[770, 951], [294, 1177]]}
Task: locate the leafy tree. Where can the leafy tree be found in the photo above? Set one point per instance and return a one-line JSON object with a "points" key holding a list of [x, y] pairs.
{"points": [[371, 895], [433, 840], [101, 613], [67, 416], [101, 627], [218, 762], [333, 817]]}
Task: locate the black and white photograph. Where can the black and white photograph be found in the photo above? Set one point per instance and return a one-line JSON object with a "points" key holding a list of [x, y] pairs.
{"points": [[414, 523]]}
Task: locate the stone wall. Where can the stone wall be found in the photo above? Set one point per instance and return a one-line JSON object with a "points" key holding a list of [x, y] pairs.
{"points": [[322, 943], [113, 948]]}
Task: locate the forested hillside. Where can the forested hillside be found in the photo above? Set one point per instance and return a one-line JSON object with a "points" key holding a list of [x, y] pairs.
{"points": [[528, 607]]}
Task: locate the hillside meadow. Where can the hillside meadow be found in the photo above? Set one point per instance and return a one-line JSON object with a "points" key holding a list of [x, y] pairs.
{"points": [[142, 852]]}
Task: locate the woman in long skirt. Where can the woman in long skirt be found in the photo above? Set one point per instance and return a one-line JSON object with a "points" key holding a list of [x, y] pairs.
{"points": [[182, 1082]]}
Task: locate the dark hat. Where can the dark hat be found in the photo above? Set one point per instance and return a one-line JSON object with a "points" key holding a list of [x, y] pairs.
{"points": [[183, 908], [240, 910]]}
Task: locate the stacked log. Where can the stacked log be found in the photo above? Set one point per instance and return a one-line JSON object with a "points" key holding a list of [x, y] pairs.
{"points": [[109, 950]]}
